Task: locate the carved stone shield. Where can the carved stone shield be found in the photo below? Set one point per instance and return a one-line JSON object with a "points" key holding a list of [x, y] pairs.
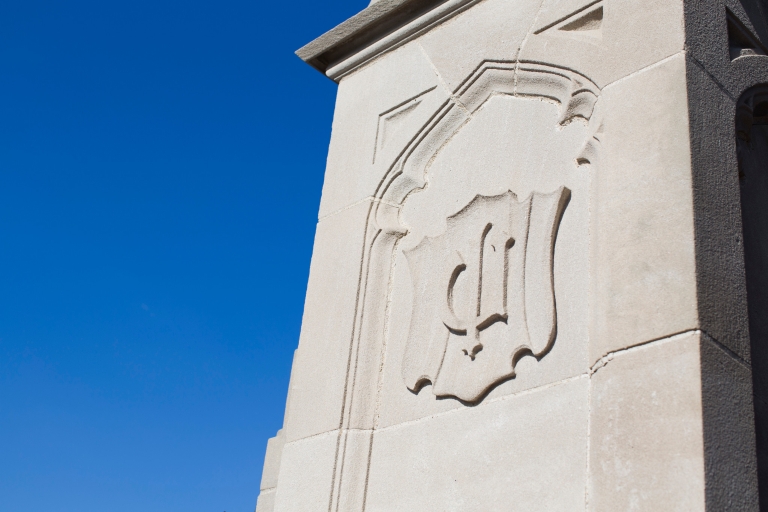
{"points": [[483, 294]]}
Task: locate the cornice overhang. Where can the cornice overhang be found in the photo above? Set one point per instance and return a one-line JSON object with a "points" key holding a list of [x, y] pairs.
{"points": [[380, 27]]}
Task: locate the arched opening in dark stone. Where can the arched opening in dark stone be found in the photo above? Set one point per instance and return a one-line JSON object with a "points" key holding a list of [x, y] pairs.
{"points": [[752, 144]]}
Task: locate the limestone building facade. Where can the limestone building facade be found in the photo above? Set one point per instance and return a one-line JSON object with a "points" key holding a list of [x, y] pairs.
{"points": [[540, 273]]}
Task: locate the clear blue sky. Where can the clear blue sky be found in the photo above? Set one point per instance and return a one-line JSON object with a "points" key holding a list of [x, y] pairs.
{"points": [[161, 164]]}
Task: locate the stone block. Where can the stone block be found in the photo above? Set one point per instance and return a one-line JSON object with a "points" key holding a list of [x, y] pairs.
{"points": [[266, 501], [272, 461], [672, 428], [351, 472], [321, 361], [493, 30], [646, 433], [379, 108], [729, 429], [721, 287], [306, 474], [606, 40], [643, 250], [520, 452]]}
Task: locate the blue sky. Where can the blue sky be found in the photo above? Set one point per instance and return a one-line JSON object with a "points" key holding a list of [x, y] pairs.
{"points": [[161, 164]]}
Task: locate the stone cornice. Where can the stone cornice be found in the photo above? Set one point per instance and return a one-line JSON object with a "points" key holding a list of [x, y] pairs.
{"points": [[380, 27]]}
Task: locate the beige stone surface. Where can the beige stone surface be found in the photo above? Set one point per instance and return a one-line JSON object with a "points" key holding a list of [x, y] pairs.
{"points": [[628, 36], [492, 30], [511, 160], [499, 304], [646, 432], [643, 259], [522, 452], [320, 367], [272, 461], [465, 348], [351, 471], [306, 474], [266, 501], [378, 110]]}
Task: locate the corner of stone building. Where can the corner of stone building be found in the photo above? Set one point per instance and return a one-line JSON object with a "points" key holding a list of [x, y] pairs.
{"points": [[727, 56], [728, 429], [269, 476], [673, 321]]}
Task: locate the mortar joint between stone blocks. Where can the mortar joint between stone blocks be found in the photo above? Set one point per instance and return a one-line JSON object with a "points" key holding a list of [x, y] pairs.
{"points": [[607, 358]]}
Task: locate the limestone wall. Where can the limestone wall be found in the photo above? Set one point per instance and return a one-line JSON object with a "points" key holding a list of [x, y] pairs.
{"points": [[528, 289]]}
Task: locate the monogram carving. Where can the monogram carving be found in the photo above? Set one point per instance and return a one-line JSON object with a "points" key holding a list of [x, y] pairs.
{"points": [[484, 294], [433, 353]]}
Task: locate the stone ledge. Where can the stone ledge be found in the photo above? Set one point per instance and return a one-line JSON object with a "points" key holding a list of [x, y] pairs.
{"points": [[372, 24]]}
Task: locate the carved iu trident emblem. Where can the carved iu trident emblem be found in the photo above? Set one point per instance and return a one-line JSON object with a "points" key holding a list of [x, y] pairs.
{"points": [[483, 294]]}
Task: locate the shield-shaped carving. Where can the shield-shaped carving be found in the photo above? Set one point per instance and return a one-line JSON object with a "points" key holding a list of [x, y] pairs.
{"points": [[483, 294]]}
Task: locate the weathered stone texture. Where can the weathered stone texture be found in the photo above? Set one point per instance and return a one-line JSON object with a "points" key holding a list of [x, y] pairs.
{"points": [[529, 288]]}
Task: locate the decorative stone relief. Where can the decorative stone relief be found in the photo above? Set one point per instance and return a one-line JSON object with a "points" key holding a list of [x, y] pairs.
{"points": [[483, 294], [391, 119], [532, 223]]}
